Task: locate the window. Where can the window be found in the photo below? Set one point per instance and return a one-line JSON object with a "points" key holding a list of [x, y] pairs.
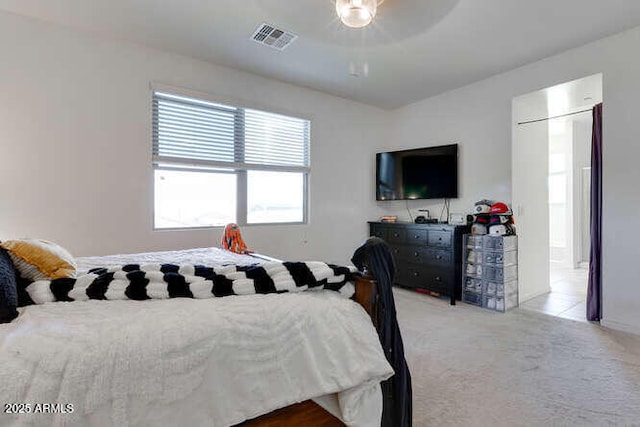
{"points": [[215, 164]]}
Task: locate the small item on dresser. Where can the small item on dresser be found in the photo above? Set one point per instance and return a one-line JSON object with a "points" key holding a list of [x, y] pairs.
{"points": [[491, 288], [501, 222], [481, 216], [500, 208], [482, 206], [388, 219], [502, 230], [474, 270], [424, 220], [481, 224], [469, 283], [457, 219], [500, 219], [471, 269], [479, 229]]}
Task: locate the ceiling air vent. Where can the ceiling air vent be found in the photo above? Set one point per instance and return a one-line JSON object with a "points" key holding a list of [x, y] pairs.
{"points": [[273, 37]]}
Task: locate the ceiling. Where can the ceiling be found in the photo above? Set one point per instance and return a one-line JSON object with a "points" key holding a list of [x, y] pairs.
{"points": [[413, 50]]}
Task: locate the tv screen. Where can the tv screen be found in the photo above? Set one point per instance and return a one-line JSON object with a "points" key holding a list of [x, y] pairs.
{"points": [[423, 173]]}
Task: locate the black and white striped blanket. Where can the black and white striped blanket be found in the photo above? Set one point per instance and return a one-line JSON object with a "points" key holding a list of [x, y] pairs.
{"points": [[161, 281]]}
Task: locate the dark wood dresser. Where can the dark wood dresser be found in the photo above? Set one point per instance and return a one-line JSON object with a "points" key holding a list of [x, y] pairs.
{"points": [[427, 256]]}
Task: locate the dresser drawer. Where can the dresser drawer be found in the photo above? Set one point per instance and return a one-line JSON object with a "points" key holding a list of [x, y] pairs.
{"points": [[438, 279], [401, 253], [406, 253], [425, 255], [416, 236], [435, 279], [401, 276], [409, 275], [378, 231], [439, 238], [397, 235], [436, 257], [416, 254]]}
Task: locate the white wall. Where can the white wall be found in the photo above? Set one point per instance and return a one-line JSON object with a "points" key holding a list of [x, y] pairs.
{"points": [[75, 147], [478, 125], [479, 118], [530, 164]]}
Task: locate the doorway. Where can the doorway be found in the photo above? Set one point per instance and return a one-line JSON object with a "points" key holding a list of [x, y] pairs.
{"points": [[551, 192]]}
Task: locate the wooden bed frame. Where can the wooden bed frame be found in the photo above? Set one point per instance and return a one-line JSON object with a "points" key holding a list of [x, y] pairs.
{"points": [[309, 413]]}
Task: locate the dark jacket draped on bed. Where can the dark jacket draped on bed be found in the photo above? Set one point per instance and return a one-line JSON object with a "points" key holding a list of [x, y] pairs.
{"points": [[375, 255]]}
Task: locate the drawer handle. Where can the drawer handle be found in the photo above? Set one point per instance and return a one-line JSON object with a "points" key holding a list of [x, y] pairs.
{"points": [[396, 235], [438, 279], [415, 273], [438, 256], [416, 254], [395, 251], [440, 238], [417, 236]]}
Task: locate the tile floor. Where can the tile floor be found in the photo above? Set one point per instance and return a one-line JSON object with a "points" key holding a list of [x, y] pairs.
{"points": [[568, 296]]}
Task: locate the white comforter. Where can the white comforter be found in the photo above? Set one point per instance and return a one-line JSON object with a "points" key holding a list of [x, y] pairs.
{"points": [[226, 359], [202, 256]]}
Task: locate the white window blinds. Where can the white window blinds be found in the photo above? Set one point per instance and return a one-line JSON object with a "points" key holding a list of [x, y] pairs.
{"points": [[193, 131], [272, 139]]}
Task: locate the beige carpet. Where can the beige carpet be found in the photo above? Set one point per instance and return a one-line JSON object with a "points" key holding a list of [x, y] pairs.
{"points": [[473, 367]]}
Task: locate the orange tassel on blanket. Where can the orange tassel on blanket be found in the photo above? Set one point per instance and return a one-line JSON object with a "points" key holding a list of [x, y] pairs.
{"points": [[232, 240]]}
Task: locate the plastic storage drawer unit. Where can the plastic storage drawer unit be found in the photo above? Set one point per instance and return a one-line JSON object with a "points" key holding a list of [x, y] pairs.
{"points": [[490, 271]]}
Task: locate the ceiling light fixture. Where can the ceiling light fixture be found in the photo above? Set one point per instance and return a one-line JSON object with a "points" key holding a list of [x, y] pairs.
{"points": [[356, 13]]}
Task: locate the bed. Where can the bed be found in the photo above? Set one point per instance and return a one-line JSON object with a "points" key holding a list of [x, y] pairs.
{"points": [[307, 358]]}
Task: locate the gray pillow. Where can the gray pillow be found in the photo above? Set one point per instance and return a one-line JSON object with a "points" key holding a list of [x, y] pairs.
{"points": [[8, 288]]}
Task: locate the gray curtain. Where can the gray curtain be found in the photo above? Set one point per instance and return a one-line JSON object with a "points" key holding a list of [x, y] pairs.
{"points": [[594, 291]]}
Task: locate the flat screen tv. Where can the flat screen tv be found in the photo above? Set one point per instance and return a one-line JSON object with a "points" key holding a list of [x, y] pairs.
{"points": [[422, 173]]}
